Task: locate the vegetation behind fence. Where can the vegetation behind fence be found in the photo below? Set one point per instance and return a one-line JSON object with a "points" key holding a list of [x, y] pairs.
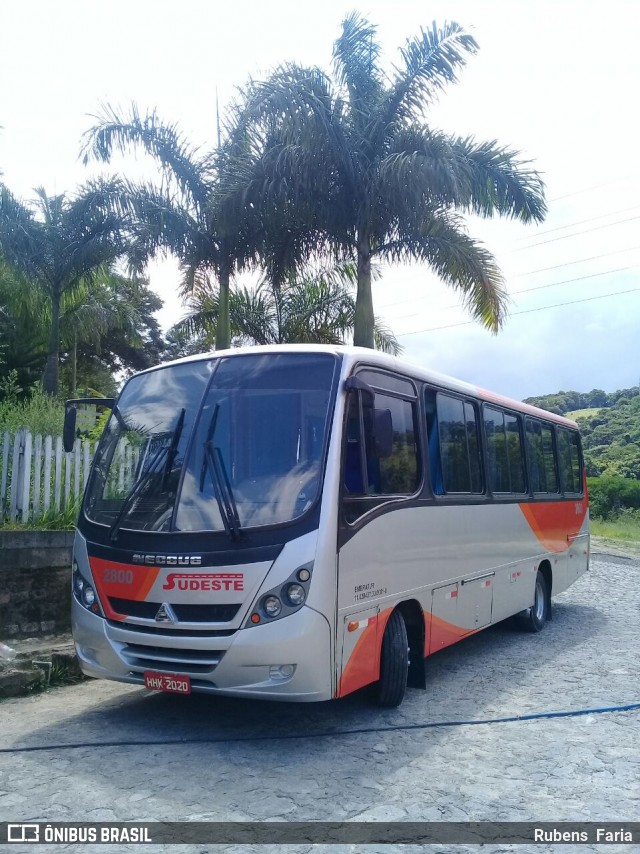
{"points": [[37, 478]]}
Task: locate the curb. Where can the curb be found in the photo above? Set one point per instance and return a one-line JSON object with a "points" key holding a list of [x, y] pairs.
{"points": [[38, 665]]}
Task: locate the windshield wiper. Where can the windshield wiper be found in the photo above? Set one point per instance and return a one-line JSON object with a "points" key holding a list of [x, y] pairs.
{"points": [[145, 477], [214, 463], [173, 448]]}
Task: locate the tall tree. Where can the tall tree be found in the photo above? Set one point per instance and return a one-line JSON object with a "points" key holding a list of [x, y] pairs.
{"points": [[57, 243], [316, 310], [181, 214], [360, 164]]}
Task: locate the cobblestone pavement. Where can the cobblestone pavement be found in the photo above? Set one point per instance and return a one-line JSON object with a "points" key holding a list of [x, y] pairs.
{"points": [[574, 768]]}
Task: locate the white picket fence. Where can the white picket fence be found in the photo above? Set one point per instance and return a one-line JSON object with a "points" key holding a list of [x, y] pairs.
{"points": [[38, 477]]}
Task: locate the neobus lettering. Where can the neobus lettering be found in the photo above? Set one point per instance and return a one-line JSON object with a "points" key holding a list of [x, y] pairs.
{"points": [[168, 560]]}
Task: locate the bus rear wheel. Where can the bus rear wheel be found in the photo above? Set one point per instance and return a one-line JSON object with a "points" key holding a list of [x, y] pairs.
{"points": [[390, 689], [535, 617]]}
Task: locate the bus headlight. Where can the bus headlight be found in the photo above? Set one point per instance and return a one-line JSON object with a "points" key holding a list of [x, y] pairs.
{"points": [[84, 592], [272, 606], [283, 599], [296, 595], [78, 581]]}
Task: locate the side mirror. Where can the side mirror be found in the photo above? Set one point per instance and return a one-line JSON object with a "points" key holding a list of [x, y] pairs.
{"points": [[69, 430], [71, 414], [382, 432]]}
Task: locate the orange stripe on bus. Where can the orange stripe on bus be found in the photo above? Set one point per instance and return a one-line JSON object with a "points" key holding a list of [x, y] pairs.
{"points": [[552, 522], [363, 666]]}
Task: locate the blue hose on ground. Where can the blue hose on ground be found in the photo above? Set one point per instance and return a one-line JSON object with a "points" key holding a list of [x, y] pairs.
{"points": [[532, 716]]}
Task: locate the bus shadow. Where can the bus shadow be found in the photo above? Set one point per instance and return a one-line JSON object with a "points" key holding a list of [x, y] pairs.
{"points": [[496, 672], [337, 756]]}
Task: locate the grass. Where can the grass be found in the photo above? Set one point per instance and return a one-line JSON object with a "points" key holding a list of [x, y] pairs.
{"points": [[39, 414], [54, 520], [582, 413], [64, 673], [623, 528]]}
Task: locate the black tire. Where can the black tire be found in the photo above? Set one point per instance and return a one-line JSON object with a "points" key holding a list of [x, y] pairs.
{"points": [[535, 618], [389, 691]]}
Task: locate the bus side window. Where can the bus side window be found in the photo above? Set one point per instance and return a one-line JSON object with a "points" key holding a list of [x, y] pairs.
{"points": [[433, 440], [353, 453], [380, 455]]}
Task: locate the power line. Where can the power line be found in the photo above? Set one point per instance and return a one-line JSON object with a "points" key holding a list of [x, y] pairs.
{"points": [[524, 311], [582, 221], [544, 287], [588, 189], [528, 273], [577, 279], [575, 234], [577, 261]]}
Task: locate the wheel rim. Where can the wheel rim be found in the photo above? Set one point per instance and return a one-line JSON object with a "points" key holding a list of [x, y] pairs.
{"points": [[539, 603]]}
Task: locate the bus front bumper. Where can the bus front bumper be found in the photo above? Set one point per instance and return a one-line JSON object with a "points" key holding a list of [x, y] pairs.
{"points": [[253, 662]]}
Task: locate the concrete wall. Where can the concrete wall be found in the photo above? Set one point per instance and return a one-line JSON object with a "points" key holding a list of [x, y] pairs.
{"points": [[35, 578]]}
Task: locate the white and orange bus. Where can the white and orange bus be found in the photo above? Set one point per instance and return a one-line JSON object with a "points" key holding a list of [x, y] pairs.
{"points": [[298, 522]]}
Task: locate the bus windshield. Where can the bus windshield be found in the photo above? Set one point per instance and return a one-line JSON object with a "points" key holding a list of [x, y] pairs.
{"points": [[215, 445]]}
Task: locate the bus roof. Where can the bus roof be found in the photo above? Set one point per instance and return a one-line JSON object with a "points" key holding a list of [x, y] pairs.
{"points": [[361, 355]]}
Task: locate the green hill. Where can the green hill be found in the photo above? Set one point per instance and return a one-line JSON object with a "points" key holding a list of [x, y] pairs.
{"points": [[610, 426]]}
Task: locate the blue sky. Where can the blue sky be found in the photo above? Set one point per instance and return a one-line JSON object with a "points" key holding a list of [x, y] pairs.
{"points": [[558, 81]]}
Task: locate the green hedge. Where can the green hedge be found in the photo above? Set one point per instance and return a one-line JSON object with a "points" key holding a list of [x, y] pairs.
{"points": [[610, 495]]}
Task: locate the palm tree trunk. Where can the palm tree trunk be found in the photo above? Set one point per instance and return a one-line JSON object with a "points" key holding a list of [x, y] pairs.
{"points": [[74, 363], [223, 330], [50, 376], [363, 326]]}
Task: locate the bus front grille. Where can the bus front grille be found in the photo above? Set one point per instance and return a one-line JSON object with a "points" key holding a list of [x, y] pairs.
{"points": [[184, 613], [172, 660], [163, 631]]}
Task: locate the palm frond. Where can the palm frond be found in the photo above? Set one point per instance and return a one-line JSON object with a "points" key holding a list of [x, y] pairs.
{"points": [[181, 163], [461, 262], [497, 181], [299, 105], [385, 340], [21, 235], [355, 58], [430, 61], [425, 168]]}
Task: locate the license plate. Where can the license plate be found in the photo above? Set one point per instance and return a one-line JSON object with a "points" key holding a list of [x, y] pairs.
{"points": [[174, 683]]}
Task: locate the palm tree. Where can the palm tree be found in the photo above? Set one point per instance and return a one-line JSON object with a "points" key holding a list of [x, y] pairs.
{"points": [[58, 244], [359, 164], [92, 311], [319, 310], [21, 341], [180, 215]]}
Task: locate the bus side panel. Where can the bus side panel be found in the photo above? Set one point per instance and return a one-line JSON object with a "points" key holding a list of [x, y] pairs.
{"points": [[466, 565]]}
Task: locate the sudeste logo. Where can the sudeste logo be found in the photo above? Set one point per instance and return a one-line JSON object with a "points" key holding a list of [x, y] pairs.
{"points": [[201, 581]]}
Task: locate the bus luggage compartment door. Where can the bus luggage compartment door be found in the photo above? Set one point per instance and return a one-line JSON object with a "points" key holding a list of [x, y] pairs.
{"points": [[458, 609], [360, 651], [476, 600]]}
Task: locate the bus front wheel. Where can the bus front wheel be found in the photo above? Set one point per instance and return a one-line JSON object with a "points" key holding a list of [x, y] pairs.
{"points": [[390, 689], [535, 617]]}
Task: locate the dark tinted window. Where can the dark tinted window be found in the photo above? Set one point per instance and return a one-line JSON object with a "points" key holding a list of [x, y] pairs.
{"points": [[367, 473], [388, 382], [458, 442], [399, 472], [505, 458], [569, 460], [540, 449]]}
